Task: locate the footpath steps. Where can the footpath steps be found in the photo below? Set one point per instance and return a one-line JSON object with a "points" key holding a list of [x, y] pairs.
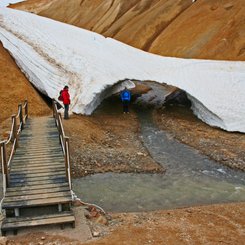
{"points": [[37, 179]]}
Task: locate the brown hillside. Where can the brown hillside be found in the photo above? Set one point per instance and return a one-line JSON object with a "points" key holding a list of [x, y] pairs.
{"points": [[15, 88], [205, 29]]}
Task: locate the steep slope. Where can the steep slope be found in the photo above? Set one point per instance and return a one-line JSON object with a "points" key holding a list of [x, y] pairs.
{"points": [[15, 88], [204, 29], [208, 29]]}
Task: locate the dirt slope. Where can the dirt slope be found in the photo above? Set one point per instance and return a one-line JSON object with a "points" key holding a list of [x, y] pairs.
{"points": [[205, 29], [15, 88], [207, 225]]}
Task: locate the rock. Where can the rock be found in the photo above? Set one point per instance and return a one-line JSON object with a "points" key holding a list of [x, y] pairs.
{"points": [[95, 234], [3, 240], [140, 154], [43, 238], [101, 220]]}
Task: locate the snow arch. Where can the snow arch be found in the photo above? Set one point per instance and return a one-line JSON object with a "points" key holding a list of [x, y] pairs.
{"points": [[53, 54]]}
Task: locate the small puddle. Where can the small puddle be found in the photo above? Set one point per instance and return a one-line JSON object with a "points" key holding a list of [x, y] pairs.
{"points": [[190, 179]]}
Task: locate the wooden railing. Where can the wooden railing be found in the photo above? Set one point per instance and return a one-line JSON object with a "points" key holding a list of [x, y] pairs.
{"points": [[18, 122], [64, 141]]}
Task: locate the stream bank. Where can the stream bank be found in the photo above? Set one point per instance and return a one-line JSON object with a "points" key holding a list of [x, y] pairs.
{"points": [[191, 178]]}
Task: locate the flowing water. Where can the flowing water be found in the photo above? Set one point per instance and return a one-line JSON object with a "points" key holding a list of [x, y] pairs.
{"points": [[190, 178]]}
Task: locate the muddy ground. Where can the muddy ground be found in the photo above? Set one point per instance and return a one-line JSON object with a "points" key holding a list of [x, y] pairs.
{"points": [[206, 225], [108, 141]]}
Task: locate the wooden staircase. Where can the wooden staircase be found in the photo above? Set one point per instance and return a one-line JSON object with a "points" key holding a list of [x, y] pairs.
{"points": [[38, 188]]}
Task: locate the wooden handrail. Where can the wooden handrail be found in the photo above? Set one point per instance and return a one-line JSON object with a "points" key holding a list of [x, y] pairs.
{"points": [[21, 117], [64, 141], [25, 106], [14, 138], [4, 165]]}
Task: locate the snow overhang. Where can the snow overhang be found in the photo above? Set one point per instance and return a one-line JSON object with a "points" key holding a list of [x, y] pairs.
{"points": [[53, 54]]}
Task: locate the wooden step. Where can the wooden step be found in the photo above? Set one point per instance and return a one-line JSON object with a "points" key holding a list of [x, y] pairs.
{"points": [[37, 165], [38, 168], [39, 182], [16, 203], [38, 149], [38, 156], [17, 162], [32, 179], [25, 222], [22, 198], [38, 191], [36, 187], [42, 143], [24, 175]]}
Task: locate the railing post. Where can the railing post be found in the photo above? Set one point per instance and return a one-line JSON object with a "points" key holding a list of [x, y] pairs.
{"points": [[15, 132], [21, 117], [53, 106], [67, 159], [4, 162], [26, 109], [59, 123]]}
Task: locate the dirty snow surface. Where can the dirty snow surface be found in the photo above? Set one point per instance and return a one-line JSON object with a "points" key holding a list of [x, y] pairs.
{"points": [[53, 54]]}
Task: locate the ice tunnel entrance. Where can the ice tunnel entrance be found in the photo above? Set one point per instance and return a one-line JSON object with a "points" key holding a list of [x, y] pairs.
{"points": [[146, 94]]}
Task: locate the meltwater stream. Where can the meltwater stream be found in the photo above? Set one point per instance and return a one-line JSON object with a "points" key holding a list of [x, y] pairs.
{"points": [[190, 178]]}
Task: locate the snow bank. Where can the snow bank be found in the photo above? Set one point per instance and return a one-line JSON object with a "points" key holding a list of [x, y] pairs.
{"points": [[53, 54]]}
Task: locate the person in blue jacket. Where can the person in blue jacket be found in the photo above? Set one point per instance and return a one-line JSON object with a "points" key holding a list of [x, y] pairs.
{"points": [[125, 98]]}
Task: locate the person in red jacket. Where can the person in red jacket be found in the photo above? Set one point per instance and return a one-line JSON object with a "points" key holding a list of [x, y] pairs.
{"points": [[66, 101]]}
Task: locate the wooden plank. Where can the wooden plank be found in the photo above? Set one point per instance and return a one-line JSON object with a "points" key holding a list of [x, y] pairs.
{"points": [[34, 192], [40, 156], [34, 175], [38, 149], [38, 170], [41, 182], [40, 144], [48, 134], [39, 137], [42, 161], [51, 221], [16, 223], [46, 216], [9, 200], [37, 165], [36, 179], [38, 202], [37, 157], [37, 187]]}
